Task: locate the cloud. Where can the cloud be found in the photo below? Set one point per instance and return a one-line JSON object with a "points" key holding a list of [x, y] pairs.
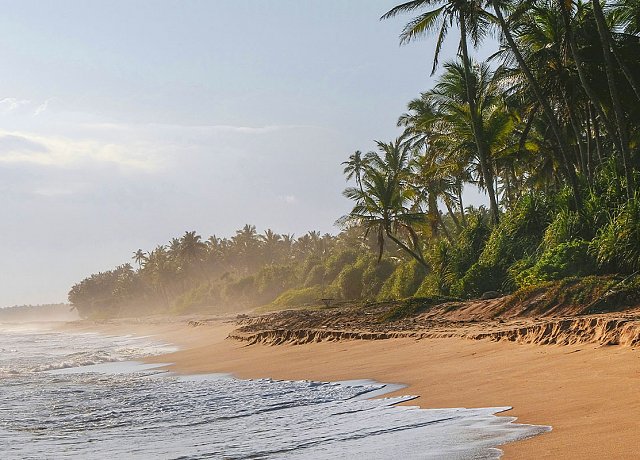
{"points": [[9, 104], [289, 199], [11, 143], [41, 150], [41, 108]]}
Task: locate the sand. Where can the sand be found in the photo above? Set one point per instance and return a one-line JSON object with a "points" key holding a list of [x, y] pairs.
{"points": [[589, 394]]}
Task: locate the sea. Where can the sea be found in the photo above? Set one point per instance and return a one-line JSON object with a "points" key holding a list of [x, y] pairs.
{"points": [[89, 396]]}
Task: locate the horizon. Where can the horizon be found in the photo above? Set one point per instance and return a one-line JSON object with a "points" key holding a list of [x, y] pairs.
{"points": [[121, 126]]}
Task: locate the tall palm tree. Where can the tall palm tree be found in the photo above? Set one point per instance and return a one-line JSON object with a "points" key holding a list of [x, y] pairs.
{"points": [[499, 6], [140, 257], [473, 22], [354, 166], [384, 205], [609, 65]]}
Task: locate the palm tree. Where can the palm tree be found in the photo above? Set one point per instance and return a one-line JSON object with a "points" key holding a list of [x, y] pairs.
{"points": [[541, 98], [192, 248], [473, 22], [384, 204], [354, 166], [140, 257], [621, 123], [457, 134]]}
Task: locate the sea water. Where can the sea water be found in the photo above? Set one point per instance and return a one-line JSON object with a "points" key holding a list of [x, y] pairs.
{"points": [[65, 395]]}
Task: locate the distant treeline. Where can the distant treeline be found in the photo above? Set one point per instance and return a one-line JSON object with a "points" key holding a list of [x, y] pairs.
{"points": [[45, 312], [230, 274], [549, 128]]}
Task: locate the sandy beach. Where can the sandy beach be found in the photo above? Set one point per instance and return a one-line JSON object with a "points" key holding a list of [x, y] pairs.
{"points": [[587, 393]]}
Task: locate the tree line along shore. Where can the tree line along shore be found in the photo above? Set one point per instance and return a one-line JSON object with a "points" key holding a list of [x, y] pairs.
{"points": [[548, 128]]}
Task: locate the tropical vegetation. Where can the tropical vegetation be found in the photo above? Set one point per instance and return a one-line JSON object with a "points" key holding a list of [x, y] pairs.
{"points": [[548, 128]]}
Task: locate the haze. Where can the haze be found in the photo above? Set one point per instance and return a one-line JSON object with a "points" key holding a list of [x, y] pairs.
{"points": [[123, 124]]}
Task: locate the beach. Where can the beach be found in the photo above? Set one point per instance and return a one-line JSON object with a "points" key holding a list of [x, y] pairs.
{"points": [[587, 392]]}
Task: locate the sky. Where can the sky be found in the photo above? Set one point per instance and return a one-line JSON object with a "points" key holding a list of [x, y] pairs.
{"points": [[126, 123]]}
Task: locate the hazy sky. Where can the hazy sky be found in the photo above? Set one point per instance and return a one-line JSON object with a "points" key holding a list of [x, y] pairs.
{"points": [[125, 123]]}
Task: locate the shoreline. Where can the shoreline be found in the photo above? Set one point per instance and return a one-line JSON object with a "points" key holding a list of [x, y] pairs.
{"points": [[586, 393]]}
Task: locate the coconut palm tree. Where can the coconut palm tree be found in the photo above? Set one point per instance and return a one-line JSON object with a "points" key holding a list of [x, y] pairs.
{"points": [[140, 257], [499, 6], [354, 166], [384, 204], [473, 22]]}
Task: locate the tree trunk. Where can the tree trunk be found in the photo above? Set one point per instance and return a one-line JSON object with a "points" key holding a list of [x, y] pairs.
{"points": [[627, 73], [603, 32], [591, 94], [405, 248], [544, 103], [476, 125]]}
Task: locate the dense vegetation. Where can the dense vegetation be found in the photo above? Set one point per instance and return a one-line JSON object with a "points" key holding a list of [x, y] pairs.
{"points": [[549, 128]]}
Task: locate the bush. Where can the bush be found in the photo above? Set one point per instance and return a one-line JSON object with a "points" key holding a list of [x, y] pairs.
{"points": [[442, 261], [478, 280], [617, 245], [403, 282], [297, 297], [335, 263], [517, 237], [562, 261], [374, 276]]}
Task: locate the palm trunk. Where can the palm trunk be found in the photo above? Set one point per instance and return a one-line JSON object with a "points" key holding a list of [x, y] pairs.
{"points": [[627, 73], [454, 218], [605, 39], [459, 192], [588, 89], [418, 257], [544, 103], [476, 125]]}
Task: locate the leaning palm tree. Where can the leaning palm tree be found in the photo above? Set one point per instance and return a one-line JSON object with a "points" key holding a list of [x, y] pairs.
{"points": [[499, 6], [384, 204]]}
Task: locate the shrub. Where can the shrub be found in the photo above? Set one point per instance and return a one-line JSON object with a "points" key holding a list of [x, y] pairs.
{"points": [[564, 260], [297, 297], [374, 276], [403, 282], [478, 280], [617, 245], [442, 274]]}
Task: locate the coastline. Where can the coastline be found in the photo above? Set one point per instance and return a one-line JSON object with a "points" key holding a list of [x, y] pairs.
{"points": [[587, 393]]}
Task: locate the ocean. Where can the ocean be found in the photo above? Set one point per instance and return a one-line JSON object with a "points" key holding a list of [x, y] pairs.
{"points": [[88, 396]]}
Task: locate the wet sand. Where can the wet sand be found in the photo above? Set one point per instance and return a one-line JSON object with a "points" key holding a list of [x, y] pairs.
{"points": [[589, 394]]}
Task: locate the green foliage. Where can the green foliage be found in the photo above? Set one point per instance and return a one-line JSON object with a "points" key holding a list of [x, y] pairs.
{"points": [[403, 282], [517, 237], [570, 259], [374, 276], [299, 296], [337, 261], [472, 239], [205, 295], [442, 274], [241, 289], [272, 280], [315, 276], [566, 226], [478, 280], [413, 306], [617, 245]]}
